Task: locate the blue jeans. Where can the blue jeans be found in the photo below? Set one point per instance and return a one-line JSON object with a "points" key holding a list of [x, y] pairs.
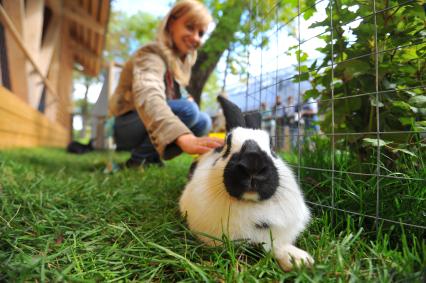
{"points": [[130, 133]]}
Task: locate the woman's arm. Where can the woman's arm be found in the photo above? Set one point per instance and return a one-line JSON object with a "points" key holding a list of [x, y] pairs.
{"points": [[162, 125], [148, 88], [197, 145]]}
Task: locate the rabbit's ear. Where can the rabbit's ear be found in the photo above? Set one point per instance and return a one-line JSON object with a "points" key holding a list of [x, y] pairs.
{"points": [[233, 115], [253, 120]]}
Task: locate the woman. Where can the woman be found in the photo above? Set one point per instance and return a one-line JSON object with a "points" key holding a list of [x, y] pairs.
{"points": [[155, 117]]}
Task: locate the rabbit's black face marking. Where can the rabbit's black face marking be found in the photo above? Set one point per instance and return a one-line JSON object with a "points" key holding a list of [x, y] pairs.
{"points": [[251, 174]]}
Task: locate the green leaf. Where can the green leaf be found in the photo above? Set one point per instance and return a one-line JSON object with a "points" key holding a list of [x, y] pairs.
{"points": [[403, 106], [376, 142], [304, 69], [354, 68], [420, 126], [422, 111], [418, 101], [311, 93], [373, 102], [302, 77], [302, 56], [421, 123], [404, 151], [406, 121], [409, 92], [388, 85], [309, 13]]}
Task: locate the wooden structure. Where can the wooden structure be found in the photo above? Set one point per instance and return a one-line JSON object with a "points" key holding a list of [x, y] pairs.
{"points": [[41, 42]]}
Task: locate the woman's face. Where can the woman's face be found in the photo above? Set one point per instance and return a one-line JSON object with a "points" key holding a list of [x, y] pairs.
{"points": [[185, 34]]}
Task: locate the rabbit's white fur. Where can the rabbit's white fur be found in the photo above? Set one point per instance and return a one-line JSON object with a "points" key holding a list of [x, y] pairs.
{"points": [[211, 210]]}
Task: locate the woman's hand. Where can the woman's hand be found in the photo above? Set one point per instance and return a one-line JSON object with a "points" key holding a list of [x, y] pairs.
{"points": [[197, 145]]}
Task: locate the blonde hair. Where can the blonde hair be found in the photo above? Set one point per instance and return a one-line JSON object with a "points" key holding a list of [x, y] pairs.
{"points": [[200, 16]]}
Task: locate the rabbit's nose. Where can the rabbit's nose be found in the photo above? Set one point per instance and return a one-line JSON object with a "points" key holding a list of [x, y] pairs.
{"points": [[252, 163]]}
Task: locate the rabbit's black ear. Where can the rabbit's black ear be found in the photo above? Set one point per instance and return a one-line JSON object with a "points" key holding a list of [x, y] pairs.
{"points": [[253, 120], [233, 115]]}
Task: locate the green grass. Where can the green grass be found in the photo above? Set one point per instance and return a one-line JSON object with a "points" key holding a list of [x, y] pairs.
{"points": [[62, 219], [398, 195]]}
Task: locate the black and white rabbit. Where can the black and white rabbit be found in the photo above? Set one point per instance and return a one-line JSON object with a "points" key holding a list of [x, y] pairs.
{"points": [[243, 190]]}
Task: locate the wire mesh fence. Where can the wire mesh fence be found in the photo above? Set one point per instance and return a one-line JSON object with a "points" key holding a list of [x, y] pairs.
{"points": [[341, 88]]}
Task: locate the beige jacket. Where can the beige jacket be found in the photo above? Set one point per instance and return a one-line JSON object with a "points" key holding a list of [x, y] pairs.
{"points": [[141, 87]]}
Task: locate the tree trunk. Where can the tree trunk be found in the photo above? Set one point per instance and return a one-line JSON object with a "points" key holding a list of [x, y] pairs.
{"points": [[200, 74], [219, 41]]}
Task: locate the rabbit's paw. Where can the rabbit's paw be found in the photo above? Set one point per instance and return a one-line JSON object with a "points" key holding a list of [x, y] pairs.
{"points": [[290, 256]]}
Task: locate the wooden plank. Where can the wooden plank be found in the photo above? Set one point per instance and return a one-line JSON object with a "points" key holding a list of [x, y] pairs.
{"points": [[49, 46], [94, 37], [78, 48], [77, 35], [65, 83], [11, 105], [34, 12], [52, 109], [18, 80], [79, 15], [12, 140], [55, 5], [12, 123], [103, 18], [33, 22], [60, 72], [22, 126], [1, 76], [86, 31], [16, 36], [28, 117], [50, 43]]}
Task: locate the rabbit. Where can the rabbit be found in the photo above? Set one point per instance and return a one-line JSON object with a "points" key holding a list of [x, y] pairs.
{"points": [[245, 191]]}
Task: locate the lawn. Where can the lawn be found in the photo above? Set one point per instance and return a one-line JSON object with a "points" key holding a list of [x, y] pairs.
{"points": [[63, 219]]}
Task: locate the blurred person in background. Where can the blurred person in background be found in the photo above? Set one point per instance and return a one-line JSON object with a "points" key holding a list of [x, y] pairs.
{"points": [[292, 121], [268, 121], [278, 113], [155, 118], [310, 117]]}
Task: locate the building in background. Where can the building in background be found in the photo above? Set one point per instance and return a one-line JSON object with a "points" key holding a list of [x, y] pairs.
{"points": [[41, 42]]}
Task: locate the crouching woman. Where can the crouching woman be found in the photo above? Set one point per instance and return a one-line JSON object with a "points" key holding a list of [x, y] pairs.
{"points": [[155, 118]]}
